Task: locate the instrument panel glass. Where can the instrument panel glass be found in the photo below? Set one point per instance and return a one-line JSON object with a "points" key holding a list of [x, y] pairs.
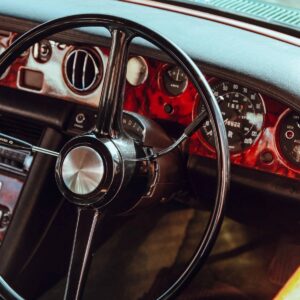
{"points": [[289, 138], [243, 111]]}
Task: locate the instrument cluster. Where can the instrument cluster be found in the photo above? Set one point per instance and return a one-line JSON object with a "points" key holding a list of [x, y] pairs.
{"points": [[263, 134]]}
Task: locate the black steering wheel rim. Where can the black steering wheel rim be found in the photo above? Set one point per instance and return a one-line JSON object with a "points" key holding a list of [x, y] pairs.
{"points": [[223, 162]]}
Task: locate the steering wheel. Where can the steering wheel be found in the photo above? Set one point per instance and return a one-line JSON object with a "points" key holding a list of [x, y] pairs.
{"points": [[94, 170]]}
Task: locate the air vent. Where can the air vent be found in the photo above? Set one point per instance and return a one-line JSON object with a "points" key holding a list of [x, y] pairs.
{"points": [[83, 70], [21, 128]]}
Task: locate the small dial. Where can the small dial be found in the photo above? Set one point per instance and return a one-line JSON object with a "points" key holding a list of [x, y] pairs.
{"points": [[175, 80], [137, 70], [243, 111], [289, 138]]}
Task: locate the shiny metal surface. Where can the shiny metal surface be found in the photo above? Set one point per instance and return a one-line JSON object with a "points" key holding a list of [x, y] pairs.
{"points": [[7, 291], [86, 226], [15, 143], [82, 170], [109, 120], [81, 70], [44, 151]]}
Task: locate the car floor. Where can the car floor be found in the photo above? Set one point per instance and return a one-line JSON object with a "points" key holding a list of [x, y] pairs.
{"points": [[142, 257]]}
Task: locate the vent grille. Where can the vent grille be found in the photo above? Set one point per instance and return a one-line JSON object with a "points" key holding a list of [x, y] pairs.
{"points": [[265, 11], [83, 70], [20, 128]]}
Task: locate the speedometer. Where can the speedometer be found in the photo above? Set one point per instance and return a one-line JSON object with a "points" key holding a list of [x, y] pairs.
{"points": [[243, 111]]}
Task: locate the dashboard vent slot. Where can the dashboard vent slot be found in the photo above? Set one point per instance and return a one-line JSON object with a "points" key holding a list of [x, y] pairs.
{"points": [[266, 11], [21, 128], [83, 70]]}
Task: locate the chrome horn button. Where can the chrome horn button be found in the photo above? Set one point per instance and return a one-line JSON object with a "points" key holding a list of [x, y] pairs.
{"points": [[82, 170]]}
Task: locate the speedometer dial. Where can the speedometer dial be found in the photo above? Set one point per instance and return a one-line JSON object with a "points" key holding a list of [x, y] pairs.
{"points": [[243, 111]]}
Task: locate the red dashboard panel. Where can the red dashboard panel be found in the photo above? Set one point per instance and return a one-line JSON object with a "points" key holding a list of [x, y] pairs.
{"points": [[264, 154], [152, 100]]}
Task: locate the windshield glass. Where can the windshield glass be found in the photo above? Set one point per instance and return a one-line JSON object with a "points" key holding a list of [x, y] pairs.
{"points": [[283, 12]]}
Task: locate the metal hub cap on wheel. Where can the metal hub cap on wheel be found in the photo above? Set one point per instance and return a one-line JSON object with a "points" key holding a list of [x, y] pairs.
{"points": [[82, 170]]}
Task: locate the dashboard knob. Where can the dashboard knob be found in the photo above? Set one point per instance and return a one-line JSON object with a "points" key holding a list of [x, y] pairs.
{"points": [[42, 51]]}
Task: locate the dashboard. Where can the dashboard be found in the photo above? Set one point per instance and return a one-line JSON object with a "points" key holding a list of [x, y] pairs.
{"points": [[263, 133], [51, 93]]}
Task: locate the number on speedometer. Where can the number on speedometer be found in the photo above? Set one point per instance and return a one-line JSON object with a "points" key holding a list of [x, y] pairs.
{"points": [[243, 112]]}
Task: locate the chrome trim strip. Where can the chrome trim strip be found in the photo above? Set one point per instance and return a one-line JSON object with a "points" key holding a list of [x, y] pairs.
{"points": [[45, 151], [84, 70], [74, 66], [223, 20], [9, 290], [87, 56]]}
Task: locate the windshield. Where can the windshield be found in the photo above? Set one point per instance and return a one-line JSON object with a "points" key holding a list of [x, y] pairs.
{"points": [[283, 12]]}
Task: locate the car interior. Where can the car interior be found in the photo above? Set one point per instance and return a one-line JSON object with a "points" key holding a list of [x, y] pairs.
{"points": [[150, 149]]}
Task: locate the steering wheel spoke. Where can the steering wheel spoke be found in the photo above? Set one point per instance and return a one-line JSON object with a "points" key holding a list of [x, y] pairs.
{"points": [[86, 224], [109, 121]]}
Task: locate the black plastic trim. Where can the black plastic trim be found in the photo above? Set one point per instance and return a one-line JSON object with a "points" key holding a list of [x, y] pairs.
{"points": [[260, 181], [38, 204], [45, 110]]}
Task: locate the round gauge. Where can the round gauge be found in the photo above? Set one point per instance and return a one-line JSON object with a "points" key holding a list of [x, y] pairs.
{"points": [[289, 138], [137, 70], [243, 111], [175, 80]]}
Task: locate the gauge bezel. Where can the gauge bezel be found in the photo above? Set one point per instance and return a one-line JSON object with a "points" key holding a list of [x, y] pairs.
{"points": [[287, 163], [213, 81], [98, 56], [161, 83], [146, 75]]}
